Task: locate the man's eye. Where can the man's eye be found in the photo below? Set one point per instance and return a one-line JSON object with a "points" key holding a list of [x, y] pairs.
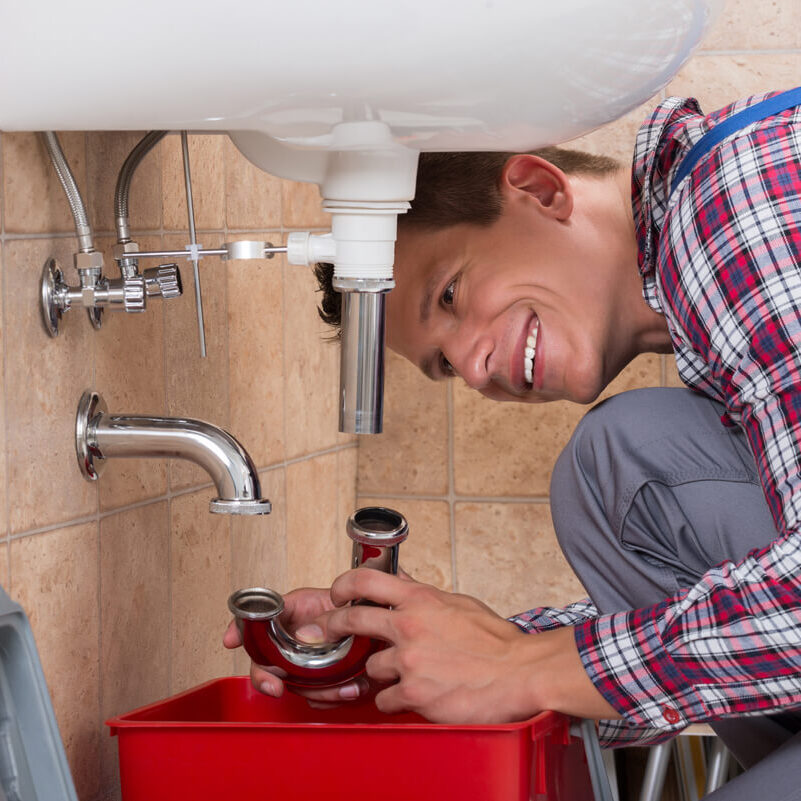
{"points": [[448, 293], [445, 366]]}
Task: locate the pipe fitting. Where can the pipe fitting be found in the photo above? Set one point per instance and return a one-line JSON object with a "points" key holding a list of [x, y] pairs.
{"points": [[376, 533]]}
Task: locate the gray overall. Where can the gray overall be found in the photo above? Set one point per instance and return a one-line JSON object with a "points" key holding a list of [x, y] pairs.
{"points": [[654, 488]]}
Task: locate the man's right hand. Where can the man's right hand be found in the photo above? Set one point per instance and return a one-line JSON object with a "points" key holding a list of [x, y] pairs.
{"points": [[301, 608]]}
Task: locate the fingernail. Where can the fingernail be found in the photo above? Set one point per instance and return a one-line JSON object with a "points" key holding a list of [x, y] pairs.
{"points": [[310, 633], [267, 688], [349, 691]]}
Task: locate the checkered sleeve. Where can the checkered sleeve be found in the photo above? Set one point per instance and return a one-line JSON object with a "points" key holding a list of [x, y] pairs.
{"points": [[730, 283]]}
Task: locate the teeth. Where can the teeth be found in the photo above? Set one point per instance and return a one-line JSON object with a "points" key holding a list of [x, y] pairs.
{"points": [[531, 350]]}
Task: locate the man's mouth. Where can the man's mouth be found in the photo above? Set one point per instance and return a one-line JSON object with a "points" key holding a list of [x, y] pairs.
{"points": [[530, 353]]}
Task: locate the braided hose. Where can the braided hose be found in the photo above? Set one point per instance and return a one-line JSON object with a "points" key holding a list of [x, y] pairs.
{"points": [[144, 146], [67, 179]]}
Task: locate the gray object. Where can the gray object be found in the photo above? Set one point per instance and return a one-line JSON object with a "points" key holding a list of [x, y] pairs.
{"points": [[33, 765]]}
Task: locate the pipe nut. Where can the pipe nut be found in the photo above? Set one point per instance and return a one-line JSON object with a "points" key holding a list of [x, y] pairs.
{"points": [[89, 261]]}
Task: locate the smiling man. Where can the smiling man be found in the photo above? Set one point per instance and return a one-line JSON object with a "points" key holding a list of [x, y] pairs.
{"points": [[536, 277]]}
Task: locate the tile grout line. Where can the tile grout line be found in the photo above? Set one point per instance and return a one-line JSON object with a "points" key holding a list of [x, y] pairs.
{"points": [[3, 310]]}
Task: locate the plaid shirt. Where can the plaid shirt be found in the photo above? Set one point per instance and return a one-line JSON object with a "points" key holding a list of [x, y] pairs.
{"points": [[721, 259]]}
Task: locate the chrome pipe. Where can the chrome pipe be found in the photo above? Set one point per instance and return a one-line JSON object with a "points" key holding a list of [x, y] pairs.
{"points": [[100, 436], [62, 167], [361, 368], [123, 188], [190, 210], [376, 533]]}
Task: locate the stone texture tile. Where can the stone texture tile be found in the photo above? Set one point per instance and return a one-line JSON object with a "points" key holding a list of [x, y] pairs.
{"points": [[207, 169], [303, 206], [135, 616], [43, 383], [259, 550], [347, 460], [253, 197], [106, 153], [426, 554], [616, 139], [756, 25], [3, 515], [55, 579], [129, 374], [507, 555], [34, 199], [201, 568], [411, 455], [508, 449], [313, 524], [717, 80], [196, 387], [256, 356], [311, 370]]}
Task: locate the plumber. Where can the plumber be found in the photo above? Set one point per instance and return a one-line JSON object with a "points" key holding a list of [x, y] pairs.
{"points": [[539, 276]]}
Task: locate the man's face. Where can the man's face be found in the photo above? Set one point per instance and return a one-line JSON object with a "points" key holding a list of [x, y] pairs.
{"points": [[470, 300]]}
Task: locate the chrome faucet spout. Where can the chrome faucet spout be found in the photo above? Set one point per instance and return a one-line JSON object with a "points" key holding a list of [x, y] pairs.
{"points": [[100, 436]]}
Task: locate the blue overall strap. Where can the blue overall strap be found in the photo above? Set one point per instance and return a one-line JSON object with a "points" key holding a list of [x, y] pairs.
{"points": [[759, 111]]}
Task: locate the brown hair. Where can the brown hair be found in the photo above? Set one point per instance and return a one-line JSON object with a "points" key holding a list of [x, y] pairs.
{"points": [[456, 188]]}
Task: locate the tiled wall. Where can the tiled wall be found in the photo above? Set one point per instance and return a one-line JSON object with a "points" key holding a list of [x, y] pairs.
{"points": [[125, 581], [472, 475]]}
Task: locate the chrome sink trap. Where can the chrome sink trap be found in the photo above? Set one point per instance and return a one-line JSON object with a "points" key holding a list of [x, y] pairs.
{"points": [[377, 533]]}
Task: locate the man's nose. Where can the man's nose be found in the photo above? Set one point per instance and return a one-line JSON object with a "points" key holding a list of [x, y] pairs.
{"points": [[471, 360]]}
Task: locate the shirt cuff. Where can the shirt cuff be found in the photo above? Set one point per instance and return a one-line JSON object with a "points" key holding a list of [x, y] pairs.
{"points": [[626, 660]]}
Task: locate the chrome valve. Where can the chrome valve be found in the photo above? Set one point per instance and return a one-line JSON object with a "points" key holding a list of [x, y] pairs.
{"points": [[164, 281]]}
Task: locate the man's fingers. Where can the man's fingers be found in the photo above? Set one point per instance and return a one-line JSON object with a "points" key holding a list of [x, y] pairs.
{"points": [[232, 638], [365, 621], [381, 666], [374, 585], [266, 681]]}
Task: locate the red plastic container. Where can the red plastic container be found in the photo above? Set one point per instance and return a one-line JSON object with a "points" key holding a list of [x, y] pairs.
{"points": [[223, 741]]}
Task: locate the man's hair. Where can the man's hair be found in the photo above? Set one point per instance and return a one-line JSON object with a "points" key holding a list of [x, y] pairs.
{"points": [[457, 188]]}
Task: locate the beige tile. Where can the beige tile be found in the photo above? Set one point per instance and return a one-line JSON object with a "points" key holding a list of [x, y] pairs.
{"points": [[55, 579], [135, 614], [129, 374], [507, 555], [3, 509], [43, 383], [253, 197], [256, 356], [672, 373], [426, 554], [201, 568], [259, 549], [756, 24], [312, 522], [347, 460], [197, 388], [411, 455], [34, 199], [718, 80], [106, 153], [303, 206], [617, 138], [207, 169], [312, 370], [509, 449]]}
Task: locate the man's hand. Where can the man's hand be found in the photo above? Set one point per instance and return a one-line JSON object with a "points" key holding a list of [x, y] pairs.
{"points": [[453, 660], [301, 608]]}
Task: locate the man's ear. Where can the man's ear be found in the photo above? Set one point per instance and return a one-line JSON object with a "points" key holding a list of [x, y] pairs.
{"points": [[531, 178]]}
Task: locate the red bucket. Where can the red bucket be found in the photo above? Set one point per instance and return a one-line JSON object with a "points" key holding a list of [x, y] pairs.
{"points": [[223, 741]]}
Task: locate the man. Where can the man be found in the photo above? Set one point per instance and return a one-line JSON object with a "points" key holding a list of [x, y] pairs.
{"points": [[537, 277]]}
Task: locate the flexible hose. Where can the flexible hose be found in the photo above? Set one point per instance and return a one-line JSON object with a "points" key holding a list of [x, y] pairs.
{"points": [[82, 227], [144, 146]]}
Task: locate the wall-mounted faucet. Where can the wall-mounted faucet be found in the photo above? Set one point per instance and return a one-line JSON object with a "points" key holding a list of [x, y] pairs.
{"points": [[100, 436]]}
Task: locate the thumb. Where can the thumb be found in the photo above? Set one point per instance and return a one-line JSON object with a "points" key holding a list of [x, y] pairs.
{"points": [[310, 633]]}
